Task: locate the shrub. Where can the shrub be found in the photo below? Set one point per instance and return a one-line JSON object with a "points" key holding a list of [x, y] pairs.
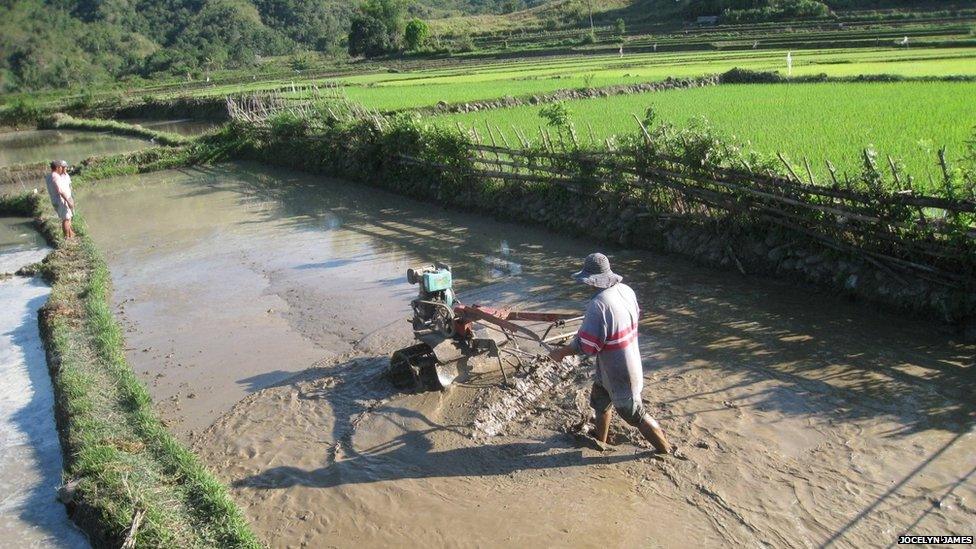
{"points": [[416, 34], [368, 37], [556, 115], [21, 111]]}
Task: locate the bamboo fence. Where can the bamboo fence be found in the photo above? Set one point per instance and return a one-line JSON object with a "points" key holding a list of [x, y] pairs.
{"points": [[903, 233]]}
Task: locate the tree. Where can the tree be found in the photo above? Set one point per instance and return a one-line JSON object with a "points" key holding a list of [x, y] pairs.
{"points": [[390, 12], [510, 6], [621, 27], [377, 29], [416, 34], [368, 36]]}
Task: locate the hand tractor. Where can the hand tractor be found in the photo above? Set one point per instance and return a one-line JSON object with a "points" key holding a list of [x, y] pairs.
{"points": [[445, 332]]}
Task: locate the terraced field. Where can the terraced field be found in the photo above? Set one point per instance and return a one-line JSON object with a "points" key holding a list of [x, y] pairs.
{"points": [[515, 79], [472, 81], [822, 121]]}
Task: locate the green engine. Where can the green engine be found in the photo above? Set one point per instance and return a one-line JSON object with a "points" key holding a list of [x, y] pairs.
{"points": [[433, 310]]}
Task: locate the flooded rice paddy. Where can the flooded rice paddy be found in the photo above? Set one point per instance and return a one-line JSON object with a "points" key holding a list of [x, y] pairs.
{"points": [[260, 307], [33, 146], [183, 126]]}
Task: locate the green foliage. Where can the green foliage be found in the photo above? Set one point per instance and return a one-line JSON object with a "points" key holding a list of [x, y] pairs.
{"points": [[369, 37], [908, 120], [301, 61], [620, 26], [23, 111], [556, 115], [416, 34], [20, 205], [377, 29], [740, 11], [390, 12]]}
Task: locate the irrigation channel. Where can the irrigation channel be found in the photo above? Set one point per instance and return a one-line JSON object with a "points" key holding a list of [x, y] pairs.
{"points": [[30, 514], [260, 307]]}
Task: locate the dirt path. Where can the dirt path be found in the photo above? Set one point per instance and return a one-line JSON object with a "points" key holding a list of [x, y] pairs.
{"points": [[802, 419]]}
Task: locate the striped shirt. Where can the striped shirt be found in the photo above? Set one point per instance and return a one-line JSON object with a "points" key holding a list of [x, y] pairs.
{"points": [[609, 332]]}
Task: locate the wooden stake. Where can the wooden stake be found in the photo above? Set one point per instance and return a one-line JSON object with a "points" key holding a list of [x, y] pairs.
{"points": [[789, 168], [806, 163], [647, 135], [502, 136], [833, 173], [894, 171], [130, 538]]}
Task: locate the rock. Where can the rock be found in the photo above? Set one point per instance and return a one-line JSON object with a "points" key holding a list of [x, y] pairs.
{"points": [[66, 492], [851, 282]]}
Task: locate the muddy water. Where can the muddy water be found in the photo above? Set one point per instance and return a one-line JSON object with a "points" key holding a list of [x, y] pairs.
{"points": [[30, 453], [183, 126], [32, 146], [802, 419]]}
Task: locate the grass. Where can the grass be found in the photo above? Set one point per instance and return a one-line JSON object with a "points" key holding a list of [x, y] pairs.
{"points": [[118, 454], [817, 121]]}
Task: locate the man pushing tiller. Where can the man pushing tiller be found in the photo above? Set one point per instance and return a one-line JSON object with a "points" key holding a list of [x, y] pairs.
{"points": [[609, 332]]}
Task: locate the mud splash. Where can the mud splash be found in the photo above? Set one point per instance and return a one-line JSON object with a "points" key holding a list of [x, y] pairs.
{"points": [[802, 419]]}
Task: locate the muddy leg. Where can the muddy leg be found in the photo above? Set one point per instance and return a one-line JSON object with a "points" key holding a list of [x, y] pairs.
{"points": [[653, 433], [602, 429], [66, 228]]}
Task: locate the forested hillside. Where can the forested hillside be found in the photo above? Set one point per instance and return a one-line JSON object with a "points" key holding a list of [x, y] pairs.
{"points": [[72, 43]]}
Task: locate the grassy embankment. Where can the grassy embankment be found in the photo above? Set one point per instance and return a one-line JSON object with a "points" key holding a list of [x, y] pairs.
{"points": [[120, 460], [66, 122]]}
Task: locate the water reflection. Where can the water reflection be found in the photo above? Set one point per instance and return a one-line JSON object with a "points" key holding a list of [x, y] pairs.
{"points": [[33, 146]]}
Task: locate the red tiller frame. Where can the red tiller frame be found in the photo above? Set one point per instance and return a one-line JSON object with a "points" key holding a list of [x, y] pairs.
{"points": [[465, 315]]}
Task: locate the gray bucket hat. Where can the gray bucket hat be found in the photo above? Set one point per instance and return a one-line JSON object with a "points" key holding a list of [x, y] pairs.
{"points": [[596, 272], [63, 163]]}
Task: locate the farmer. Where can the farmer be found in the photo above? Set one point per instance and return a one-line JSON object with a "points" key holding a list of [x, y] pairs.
{"points": [[59, 188], [609, 332]]}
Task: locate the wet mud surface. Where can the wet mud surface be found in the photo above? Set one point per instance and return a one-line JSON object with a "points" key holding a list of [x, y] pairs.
{"points": [[274, 299]]}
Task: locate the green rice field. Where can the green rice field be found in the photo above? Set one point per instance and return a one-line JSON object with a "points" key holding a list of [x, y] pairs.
{"points": [[819, 122], [476, 80], [399, 91]]}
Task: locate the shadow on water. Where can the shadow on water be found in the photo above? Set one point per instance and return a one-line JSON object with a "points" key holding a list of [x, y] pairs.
{"points": [[36, 420], [362, 390], [867, 511]]}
